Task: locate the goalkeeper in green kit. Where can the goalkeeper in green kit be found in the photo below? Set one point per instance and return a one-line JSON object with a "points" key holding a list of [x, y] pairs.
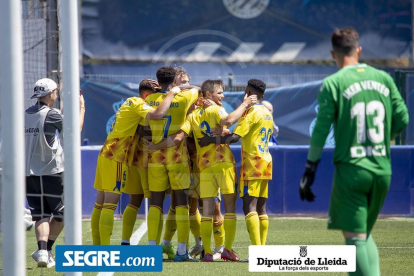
{"points": [[367, 111]]}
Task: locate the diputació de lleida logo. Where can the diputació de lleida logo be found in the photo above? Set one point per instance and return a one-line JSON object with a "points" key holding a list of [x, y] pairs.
{"points": [[112, 120], [330, 140], [303, 251]]}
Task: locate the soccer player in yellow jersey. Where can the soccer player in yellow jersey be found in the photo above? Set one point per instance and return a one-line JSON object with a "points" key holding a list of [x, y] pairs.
{"points": [[254, 128], [194, 191], [137, 174], [216, 164], [181, 79], [168, 168], [116, 156]]}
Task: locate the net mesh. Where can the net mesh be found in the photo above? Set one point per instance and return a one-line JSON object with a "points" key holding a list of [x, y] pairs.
{"points": [[38, 40]]}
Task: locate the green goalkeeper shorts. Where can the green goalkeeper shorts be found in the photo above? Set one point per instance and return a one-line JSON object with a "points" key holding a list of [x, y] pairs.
{"points": [[356, 199]]}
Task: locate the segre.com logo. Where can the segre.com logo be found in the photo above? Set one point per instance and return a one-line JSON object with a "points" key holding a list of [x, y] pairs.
{"points": [[113, 258]]}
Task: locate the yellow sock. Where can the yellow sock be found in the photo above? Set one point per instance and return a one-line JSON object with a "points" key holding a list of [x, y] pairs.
{"points": [[161, 225], [253, 226], [195, 223], [264, 226], [183, 224], [230, 225], [153, 221], [106, 223], [170, 225], [128, 221], [218, 231], [96, 215], [206, 229], [187, 243]]}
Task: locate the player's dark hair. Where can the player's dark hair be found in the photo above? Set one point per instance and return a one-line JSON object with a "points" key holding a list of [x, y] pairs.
{"points": [[148, 85], [258, 87], [211, 85], [345, 41], [166, 75], [180, 71]]}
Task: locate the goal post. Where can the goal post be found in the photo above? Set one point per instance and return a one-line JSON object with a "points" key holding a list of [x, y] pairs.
{"points": [[71, 123], [12, 123]]}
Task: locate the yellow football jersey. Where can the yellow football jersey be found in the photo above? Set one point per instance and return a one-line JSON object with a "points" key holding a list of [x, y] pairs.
{"points": [[140, 157], [171, 124], [201, 121], [255, 127], [120, 145]]}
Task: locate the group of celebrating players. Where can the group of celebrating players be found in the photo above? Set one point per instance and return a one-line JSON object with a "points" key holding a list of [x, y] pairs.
{"points": [[173, 139]]}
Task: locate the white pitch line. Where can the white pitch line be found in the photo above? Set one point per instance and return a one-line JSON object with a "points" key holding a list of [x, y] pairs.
{"points": [[135, 238]]}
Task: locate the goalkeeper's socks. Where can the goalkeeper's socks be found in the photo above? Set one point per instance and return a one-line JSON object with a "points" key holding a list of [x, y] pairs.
{"points": [[230, 225], [50, 244], [362, 262], [96, 215], [253, 226], [153, 220], [42, 245], [206, 229], [170, 225], [218, 232], [195, 223], [373, 256], [183, 224], [128, 221], [106, 223], [264, 227]]}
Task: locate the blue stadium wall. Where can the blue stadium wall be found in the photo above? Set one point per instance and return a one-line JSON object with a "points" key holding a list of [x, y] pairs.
{"points": [[288, 166]]}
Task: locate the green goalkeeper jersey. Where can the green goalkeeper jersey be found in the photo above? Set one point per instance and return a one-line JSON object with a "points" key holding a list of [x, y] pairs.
{"points": [[366, 110]]}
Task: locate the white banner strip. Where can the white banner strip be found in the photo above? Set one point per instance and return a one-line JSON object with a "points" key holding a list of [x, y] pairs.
{"points": [[302, 258]]}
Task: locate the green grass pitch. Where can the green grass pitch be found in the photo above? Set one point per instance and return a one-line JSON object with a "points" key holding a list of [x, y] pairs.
{"points": [[394, 238]]}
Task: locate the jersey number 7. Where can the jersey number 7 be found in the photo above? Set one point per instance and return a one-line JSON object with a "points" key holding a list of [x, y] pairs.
{"points": [[167, 125]]}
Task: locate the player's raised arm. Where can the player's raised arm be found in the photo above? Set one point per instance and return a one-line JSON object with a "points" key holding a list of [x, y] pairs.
{"points": [[233, 117], [162, 109]]}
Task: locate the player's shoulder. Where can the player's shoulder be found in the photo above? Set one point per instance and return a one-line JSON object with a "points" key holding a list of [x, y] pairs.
{"points": [[213, 109], [55, 114], [256, 112], [333, 78], [153, 96], [188, 93], [198, 111], [135, 100], [381, 73]]}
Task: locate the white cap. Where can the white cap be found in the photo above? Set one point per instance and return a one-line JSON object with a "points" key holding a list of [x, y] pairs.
{"points": [[43, 87]]}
